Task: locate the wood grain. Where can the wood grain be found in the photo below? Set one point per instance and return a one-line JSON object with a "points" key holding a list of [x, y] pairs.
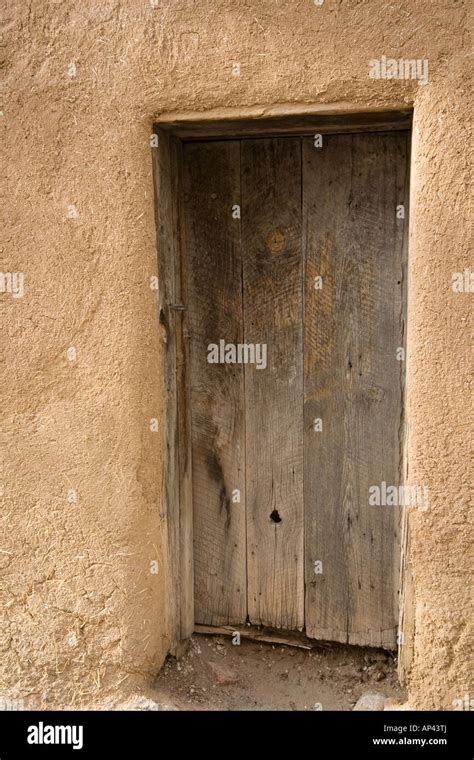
{"points": [[353, 382], [272, 286], [213, 276], [214, 127]]}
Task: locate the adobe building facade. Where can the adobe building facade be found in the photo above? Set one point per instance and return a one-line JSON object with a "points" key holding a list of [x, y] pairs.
{"points": [[84, 552]]}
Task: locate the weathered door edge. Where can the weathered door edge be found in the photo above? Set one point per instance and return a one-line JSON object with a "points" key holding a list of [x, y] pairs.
{"points": [[406, 624], [176, 468]]}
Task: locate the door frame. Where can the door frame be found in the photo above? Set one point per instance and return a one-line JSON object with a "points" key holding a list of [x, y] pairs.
{"points": [[176, 473]]}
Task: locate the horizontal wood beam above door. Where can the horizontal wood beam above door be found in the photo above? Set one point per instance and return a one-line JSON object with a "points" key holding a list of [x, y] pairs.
{"points": [[207, 129]]}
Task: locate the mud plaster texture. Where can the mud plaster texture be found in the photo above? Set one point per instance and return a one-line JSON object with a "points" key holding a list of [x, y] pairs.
{"points": [[82, 615]]}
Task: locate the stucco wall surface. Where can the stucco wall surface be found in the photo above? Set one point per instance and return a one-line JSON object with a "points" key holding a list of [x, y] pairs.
{"points": [[83, 615]]}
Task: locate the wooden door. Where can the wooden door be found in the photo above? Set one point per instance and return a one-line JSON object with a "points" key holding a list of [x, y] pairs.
{"points": [[300, 249]]}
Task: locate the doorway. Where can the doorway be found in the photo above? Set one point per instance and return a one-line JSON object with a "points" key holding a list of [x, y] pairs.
{"points": [[291, 326]]}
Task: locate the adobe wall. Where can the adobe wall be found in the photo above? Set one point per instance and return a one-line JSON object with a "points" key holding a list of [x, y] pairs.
{"points": [[84, 616]]}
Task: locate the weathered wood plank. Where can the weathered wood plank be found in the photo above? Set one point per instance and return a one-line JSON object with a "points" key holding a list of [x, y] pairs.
{"points": [[213, 276], [271, 240], [406, 624], [292, 124], [186, 562], [267, 634], [166, 250], [353, 382]]}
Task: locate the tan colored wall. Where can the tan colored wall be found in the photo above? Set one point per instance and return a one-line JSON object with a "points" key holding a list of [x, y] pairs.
{"points": [[83, 615]]}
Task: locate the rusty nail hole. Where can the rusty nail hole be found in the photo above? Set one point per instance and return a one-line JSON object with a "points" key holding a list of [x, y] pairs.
{"points": [[275, 517]]}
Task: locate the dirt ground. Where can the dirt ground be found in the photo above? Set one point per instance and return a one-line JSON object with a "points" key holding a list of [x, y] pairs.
{"points": [[216, 674]]}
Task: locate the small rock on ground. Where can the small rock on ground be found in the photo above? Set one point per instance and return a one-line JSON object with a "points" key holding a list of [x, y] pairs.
{"points": [[144, 703], [370, 701], [222, 675]]}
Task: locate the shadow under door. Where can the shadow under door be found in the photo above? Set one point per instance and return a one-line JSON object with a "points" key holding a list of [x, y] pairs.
{"points": [[294, 258]]}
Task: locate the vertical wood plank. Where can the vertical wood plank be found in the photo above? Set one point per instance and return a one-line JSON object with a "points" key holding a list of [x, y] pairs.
{"points": [[271, 240], [213, 299], [406, 626], [166, 250], [353, 382], [185, 548]]}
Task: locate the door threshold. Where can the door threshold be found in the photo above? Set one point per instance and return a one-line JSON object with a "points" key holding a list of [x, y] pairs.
{"points": [[265, 634]]}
